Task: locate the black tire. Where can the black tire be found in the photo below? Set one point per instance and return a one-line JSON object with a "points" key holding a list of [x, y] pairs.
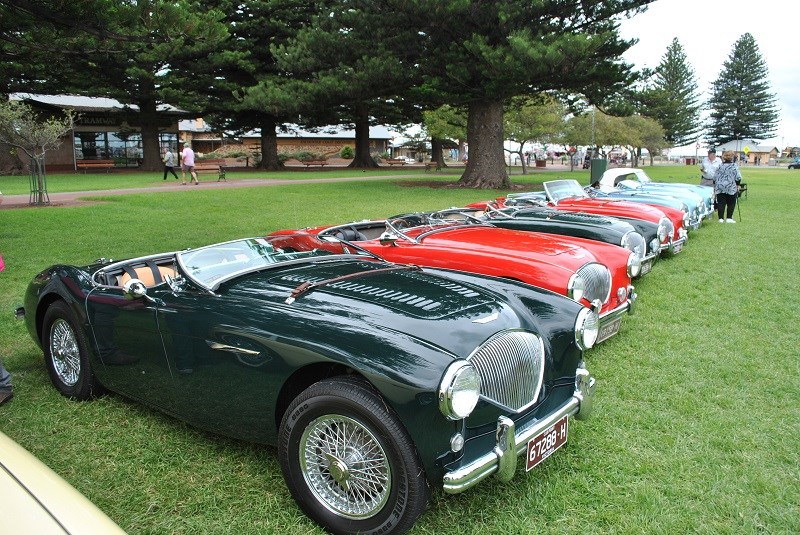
{"points": [[397, 492], [66, 354]]}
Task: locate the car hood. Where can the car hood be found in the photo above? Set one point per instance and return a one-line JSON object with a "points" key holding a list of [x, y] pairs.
{"points": [[348, 287], [455, 313], [573, 218], [550, 248], [648, 197], [615, 207]]}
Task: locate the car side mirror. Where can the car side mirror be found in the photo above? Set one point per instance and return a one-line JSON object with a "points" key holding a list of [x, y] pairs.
{"points": [[134, 289], [387, 238]]}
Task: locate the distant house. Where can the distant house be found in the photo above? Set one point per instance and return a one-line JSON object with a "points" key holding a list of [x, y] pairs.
{"points": [[105, 129], [790, 152], [327, 141], [750, 151]]}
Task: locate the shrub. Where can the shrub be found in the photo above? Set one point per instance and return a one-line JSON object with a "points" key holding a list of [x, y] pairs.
{"points": [[305, 156], [347, 152]]}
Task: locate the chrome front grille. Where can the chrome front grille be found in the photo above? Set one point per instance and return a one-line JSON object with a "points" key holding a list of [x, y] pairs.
{"points": [[598, 281], [511, 366]]}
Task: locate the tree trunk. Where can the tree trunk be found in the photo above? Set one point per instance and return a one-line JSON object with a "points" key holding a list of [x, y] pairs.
{"points": [[436, 153], [486, 167], [522, 157], [363, 159], [269, 145], [39, 196], [151, 151]]}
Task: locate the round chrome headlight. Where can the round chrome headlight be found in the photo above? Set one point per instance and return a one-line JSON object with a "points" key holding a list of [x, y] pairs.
{"points": [[633, 241], [587, 327], [665, 229], [576, 288], [662, 232], [634, 265], [459, 390]]}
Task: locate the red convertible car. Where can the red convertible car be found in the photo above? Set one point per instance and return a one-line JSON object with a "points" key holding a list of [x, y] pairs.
{"points": [[597, 275], [568, 195]]}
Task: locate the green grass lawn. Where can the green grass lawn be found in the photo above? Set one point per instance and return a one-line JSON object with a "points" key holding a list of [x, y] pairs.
{"points": [[696, 417]]}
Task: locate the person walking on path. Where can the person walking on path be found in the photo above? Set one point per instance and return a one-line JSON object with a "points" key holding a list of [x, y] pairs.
{"points": [[187, 157], [709, 168], [6, 390], [726, 186], [169, 163]]}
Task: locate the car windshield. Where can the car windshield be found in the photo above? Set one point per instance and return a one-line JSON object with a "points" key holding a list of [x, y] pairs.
{"points": [[536, 198], [214, 264], [558, 190], [629, 184]]}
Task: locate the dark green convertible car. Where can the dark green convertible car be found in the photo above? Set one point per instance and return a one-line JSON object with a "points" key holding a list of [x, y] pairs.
{"points": [[378, 382]]}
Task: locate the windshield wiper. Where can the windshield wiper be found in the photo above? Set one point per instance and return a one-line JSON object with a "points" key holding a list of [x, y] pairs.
{"points": [[306, 287]]}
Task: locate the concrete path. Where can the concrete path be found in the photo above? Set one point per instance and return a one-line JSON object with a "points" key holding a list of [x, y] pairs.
{"points": [[77, 198]]}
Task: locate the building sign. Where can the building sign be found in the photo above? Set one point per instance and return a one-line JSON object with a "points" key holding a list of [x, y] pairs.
{"points": [[101, 120]]}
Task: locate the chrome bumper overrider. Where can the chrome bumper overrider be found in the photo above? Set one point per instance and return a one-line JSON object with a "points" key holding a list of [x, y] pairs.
{"points": [[670, 247], [510, 443], [624, 308]]}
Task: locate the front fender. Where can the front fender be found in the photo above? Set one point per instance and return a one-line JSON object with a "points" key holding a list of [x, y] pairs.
{"points": [[65, 283]]}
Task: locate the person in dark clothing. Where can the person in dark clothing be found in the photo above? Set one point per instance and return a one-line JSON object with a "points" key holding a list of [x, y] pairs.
{"points": [[6, 390], [169, 163]]}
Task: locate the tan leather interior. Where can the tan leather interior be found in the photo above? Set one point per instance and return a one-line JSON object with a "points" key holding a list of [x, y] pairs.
{"points": [[145, 274]]}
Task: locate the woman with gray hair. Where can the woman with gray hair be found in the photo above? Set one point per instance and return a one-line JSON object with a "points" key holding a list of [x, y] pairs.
{"points": [[726, 186]]}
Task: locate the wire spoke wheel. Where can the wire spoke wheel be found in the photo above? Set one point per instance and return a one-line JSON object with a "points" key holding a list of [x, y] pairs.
{"points": [[348, 460], [345, 466], [65, 352]]}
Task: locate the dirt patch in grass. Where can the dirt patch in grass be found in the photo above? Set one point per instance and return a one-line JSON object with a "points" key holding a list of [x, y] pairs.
{"points": [[438, 184]]}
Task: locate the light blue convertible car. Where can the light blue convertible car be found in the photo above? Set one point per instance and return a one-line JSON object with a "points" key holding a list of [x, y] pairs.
{"points": [[694, 195]]}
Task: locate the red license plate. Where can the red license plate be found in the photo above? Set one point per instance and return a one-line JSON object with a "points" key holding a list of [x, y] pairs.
{"points": [[545, 443]]}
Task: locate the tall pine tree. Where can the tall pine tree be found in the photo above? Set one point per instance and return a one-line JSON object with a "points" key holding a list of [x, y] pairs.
{"points": [[742, 105], [479, 54], [672, 98], [129, 51]]}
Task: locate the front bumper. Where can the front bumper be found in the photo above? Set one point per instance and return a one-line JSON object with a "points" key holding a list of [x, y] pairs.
{"points": [[510, 443], [610, 320], [647, 263], [675, 246]]}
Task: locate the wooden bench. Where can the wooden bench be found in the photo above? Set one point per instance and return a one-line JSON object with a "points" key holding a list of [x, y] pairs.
{"points": [[395, 162], [308, 163], [211, 166], [87, 165]]}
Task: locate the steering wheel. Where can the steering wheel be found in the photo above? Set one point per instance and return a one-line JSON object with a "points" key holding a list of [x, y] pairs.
{"points": [[399, 223]]}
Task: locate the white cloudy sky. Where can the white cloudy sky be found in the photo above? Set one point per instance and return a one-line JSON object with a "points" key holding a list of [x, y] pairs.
{"points": [[707, 31]]}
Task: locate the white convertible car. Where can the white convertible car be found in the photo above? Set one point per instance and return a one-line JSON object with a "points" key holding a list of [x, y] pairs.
{"points": [[34, 499]]}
